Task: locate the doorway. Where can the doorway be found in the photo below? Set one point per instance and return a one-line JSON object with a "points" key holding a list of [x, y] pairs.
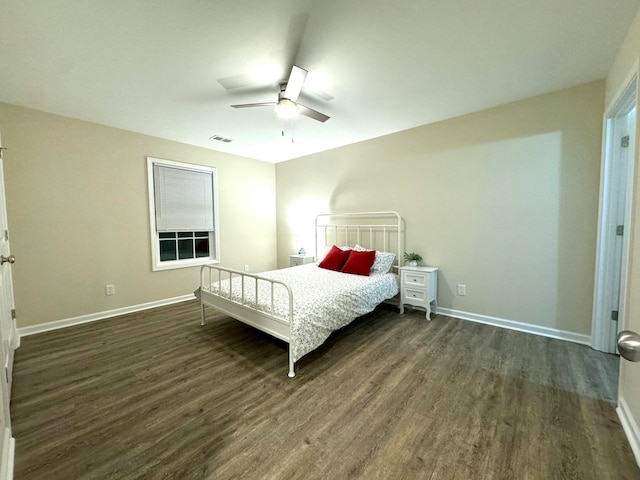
{"points": [[616, 193]]}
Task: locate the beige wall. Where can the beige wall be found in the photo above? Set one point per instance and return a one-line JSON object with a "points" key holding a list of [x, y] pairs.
{"points": [[78, 212], [625, 60], [629, 386], [504, 201]]}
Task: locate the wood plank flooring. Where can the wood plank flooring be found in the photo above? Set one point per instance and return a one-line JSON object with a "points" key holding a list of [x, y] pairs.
{"points": [[153, 395]]}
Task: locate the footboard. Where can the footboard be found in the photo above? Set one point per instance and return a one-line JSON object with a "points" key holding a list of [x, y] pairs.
{"points": [[249, 298]]}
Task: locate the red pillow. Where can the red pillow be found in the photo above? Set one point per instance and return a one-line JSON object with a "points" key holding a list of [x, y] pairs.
{"points": [[334, 260], [359, 262]]}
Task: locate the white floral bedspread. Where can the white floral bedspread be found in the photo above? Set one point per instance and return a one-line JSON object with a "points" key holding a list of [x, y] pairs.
{"points": [[323, 300]]}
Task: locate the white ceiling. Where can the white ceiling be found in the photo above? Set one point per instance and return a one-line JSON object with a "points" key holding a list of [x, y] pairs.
{"points": [[153, 67]]}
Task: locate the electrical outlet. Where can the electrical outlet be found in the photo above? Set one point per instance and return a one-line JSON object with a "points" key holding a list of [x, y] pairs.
{"points": [[110, 289], [462, 289], [246, 268]]}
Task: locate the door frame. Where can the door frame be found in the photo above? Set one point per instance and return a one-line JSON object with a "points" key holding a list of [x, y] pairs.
{"points": [[602, 335]]}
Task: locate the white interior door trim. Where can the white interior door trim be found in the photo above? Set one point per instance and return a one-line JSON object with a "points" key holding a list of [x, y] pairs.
{"points": [[602, 335], [7, 333]]}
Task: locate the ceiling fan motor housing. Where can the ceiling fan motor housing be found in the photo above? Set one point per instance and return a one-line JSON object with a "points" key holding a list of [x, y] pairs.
{"points": [[283, 88]]}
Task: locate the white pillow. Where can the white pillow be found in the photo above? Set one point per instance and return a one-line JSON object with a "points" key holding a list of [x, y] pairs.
{"points": [[383, 261]]}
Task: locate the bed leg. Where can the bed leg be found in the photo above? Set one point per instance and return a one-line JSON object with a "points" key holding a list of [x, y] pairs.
{"points": [[202, 314], [292, 371]]}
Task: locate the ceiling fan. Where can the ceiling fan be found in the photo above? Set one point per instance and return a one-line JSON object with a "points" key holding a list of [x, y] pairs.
{"points": [[286, 106]]}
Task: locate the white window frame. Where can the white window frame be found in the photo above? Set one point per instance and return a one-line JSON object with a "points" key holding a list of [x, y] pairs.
{"points": [[214, 237]]}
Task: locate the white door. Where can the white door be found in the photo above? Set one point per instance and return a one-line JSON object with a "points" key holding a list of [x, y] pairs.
{"points": [[8, 336], [616, 195], [623, 156]]}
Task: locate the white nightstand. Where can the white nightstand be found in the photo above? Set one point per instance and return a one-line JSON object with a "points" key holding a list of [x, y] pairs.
{"points": [[296, 260], [419, 287]]}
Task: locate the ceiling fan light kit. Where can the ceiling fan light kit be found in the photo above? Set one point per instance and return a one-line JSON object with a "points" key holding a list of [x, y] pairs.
{"points": [[285, 108]]}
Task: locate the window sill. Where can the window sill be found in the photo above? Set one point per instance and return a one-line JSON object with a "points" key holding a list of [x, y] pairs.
{"points": [[184, 264]]}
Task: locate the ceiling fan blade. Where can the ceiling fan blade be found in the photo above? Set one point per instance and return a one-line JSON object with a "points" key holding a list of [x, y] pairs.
{"points": [[295, 35], [237, 81], [316, 92], [247, 105], [311, 113], [294, 84]]}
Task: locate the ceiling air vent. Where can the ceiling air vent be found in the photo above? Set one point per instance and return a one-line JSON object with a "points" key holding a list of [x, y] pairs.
{"points": [[220, 138]]}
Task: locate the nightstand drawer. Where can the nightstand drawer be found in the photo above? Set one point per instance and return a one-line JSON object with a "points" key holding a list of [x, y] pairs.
{"points": [[415, 295], [297, 261], [418, 279]]}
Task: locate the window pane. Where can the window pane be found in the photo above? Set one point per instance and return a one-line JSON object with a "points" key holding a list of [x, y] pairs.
{"points": [[167, 250], [185, 234], [185, 249], [202, 247], [167, 234], [201, 234]]}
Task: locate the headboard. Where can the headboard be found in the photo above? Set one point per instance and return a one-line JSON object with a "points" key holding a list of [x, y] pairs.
{"points": [[382, 231]]}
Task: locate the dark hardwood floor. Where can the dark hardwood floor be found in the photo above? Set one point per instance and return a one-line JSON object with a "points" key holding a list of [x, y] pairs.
{"points": [[153, 395]]}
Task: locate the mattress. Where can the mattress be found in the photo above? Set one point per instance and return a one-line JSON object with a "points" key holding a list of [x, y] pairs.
{"points": [[323, 300]]}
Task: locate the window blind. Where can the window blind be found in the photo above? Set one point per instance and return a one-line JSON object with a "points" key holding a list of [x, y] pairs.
{"points": [[183, 199]]}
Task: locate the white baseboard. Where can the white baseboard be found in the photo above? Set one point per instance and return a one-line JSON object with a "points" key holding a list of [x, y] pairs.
{"points": [[630, 427], [92, 317], [519, 326]]}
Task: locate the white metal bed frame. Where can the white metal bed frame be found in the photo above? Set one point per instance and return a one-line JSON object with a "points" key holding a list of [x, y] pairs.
{"points": [[265, 319]]}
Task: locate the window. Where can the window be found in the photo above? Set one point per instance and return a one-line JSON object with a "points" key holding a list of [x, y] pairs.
{"points": [[182, 213]]}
